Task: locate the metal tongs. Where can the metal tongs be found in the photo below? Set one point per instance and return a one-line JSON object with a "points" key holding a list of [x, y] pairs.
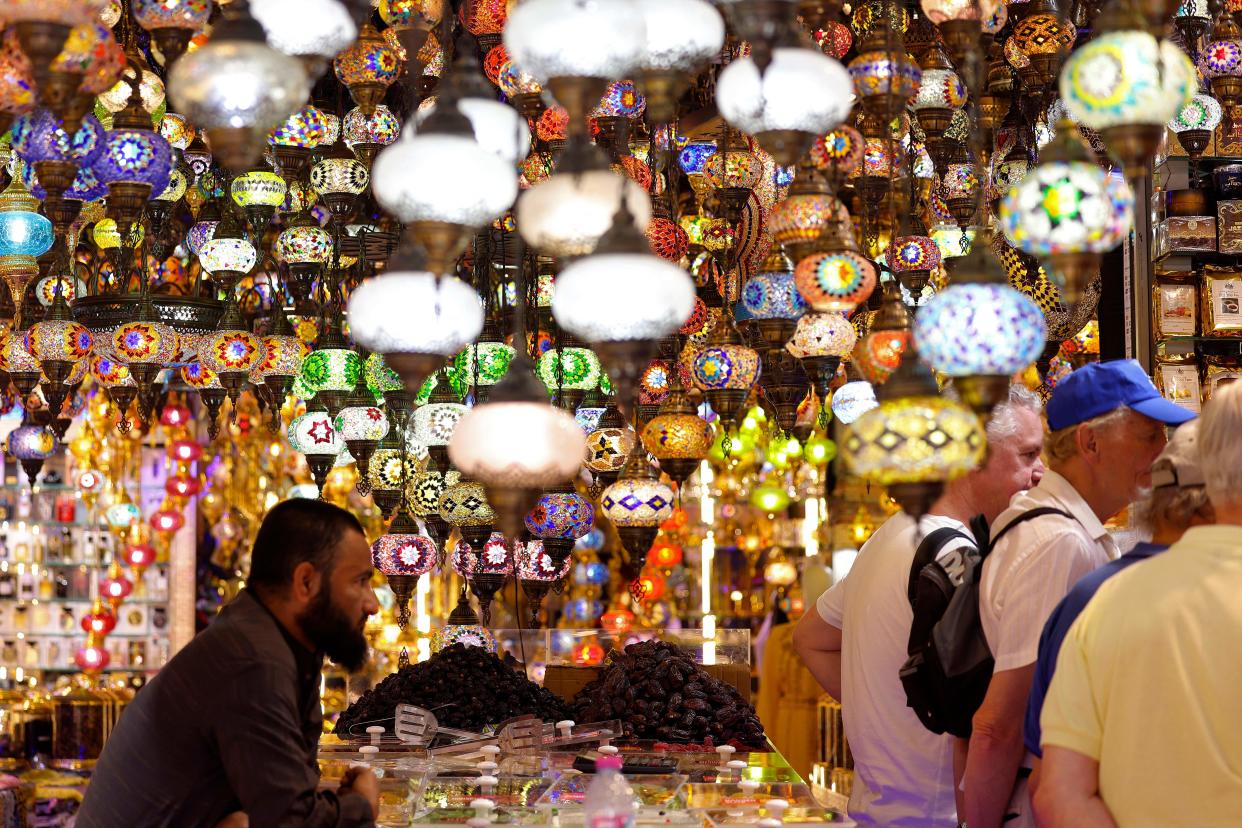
{"points": [[527, 734], [418, 726]]}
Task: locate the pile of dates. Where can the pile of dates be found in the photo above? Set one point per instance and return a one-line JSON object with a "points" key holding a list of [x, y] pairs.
{"points": [[658, 692], [465, 687]]}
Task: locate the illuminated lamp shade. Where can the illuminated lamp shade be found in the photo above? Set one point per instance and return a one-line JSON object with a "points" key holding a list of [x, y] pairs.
{"points": [[231, 258], [667, 239], [57, 339], [653, 386], [725, 366], [677, 434], [380, 128], [622, 100], [464, 504], [637, 502], [99, 620], [822, 334], [331, 369], [362, 422], [942, 11], [433, 423], [30, 445], [404, 553], [772, 293], [312, 28], [852, 400], [770, 498], [567, 214], [665, 555], [138, 157], [313, 433], [607, 448], [413, 318], [622, 293], [259, 188], [617, 621], [305, 129], [309, 244], [424, 489], [485, 363], [579, 369], [333, 176], [881, 76], [834, 39], [144, 342], [443, 178], [913, 253], [835, 281], [368, 67], [167, 520], [1067, 207], [974, 328], [565, 39], [561, 515], [908, 441], [39, 137], [107, 237], [1126, 85], [237, 87], [804, 216], [1199, 118], [92, 656], [801, 94]]}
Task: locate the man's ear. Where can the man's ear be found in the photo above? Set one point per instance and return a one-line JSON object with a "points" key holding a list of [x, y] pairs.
{"points": [[307, 581], [1088, 443]]}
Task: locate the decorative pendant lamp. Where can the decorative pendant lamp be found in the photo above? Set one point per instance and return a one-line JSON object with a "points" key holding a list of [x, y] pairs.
{"points": [[1068, 211], [623, 300], [366, 135], [879, 353], [210, 392], [1126, 84], [1195, 124], [820, 342], [368, 68], [291, 143], [960, 22], [236, 87], [441, 181], [60, 344], [314, 436], [313, 30], [915, 440], [636, 504], [31, 445], [339, 179], [608, 445], [941, 93], [56, 156], [386, 387], [259, 191], [24, 235], [361, 425], [1038, 43], [136, 164], [172, 23], [537, 571], [980, 331], [836, 280], [726, 369], [1221, 64], [145, 345], [885, 77], [772, 299], [403, 554], [388, 472], [559, 518], [231, 352], [463, 505], [677, 437], [414, 318], [486, 362], [681, 37], [569, 372], [434, 422], [567, 214], [800, 94]]}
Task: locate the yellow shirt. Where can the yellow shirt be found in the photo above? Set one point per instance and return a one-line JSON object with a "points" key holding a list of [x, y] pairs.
{"points": [[1149, 684]]}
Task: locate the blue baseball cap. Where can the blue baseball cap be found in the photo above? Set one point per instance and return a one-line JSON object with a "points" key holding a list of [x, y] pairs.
{"points": [[1101, 387]]}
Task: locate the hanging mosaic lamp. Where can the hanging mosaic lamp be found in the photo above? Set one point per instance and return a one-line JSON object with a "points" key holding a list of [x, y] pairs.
{"points": [[559, 518], [914, 440], [403, 554], [636, 504], [677, 437]]}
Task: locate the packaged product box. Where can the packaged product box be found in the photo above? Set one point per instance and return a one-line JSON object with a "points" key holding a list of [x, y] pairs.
{"points": [[1185, 234], [1179, 383], [1221, 299], [1219, 372], [1174, 309], [1229, 226]]}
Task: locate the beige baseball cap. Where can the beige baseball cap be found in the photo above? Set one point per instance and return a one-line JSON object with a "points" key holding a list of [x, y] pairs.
{"points": [[1178, 465]]}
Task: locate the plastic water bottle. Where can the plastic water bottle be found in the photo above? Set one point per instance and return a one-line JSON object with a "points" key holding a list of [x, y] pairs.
{"points": [[609, 800]]}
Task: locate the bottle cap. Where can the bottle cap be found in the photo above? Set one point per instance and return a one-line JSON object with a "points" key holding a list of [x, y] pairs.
{"points": [[608, 763]]}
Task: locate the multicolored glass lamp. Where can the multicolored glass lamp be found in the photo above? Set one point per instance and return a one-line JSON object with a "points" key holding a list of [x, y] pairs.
{"points": [[636, 504], [915, 440], [135, 165], [980, 331], [559, 518], [403, 554], [677, 437], [361, 425], [537, 570], [332, 369], [172, 23], [726, 369], [24, 235], [314, 436]]}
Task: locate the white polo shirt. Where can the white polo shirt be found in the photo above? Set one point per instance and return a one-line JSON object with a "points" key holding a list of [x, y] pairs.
{"points": [[903, 773], [1033, 567]]}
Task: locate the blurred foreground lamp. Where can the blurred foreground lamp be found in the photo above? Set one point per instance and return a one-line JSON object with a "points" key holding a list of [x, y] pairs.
{"points": [[415, 319], [517, 445], [623, 300], [915, 440], [1068, 211], [172, 23], [681, 36], [980, 331], [237, 87], [1126, 85], [803, 93], [315, 30], [960, 22], [575, 48], [852, 400]]}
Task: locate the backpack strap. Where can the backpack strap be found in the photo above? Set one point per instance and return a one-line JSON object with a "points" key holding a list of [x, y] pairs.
{"points": [[927, 551], [1023, 518]]}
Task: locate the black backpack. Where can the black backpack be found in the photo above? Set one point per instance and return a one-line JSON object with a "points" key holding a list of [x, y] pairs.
{"points": [[950, 664]]}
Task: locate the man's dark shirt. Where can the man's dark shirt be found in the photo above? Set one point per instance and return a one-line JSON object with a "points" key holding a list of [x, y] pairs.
{"points": [[232, 723]]}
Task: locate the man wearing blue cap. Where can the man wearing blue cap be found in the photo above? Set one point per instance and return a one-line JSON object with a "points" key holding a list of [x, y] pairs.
{"points": [[1106, 426]]}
